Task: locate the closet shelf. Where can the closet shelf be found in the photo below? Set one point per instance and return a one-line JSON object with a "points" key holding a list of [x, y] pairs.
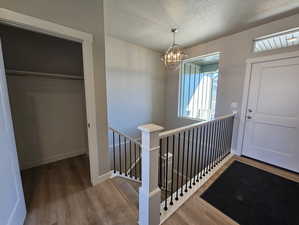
{"points": [[41, 74]]}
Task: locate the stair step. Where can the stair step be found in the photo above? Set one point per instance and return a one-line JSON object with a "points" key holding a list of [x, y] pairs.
{"points": [[129, 189]]}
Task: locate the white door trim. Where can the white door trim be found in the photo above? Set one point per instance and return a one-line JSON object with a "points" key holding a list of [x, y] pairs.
{"points": [[246, 87], [86, 39]]}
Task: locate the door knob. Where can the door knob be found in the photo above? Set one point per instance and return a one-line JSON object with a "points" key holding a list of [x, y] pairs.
{"points": [[249, 117], [250, 110]]}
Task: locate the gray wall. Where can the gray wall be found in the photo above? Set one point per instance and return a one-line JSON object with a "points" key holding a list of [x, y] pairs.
{"points": [[135, 86], [49, 118], [85, 16], [235, 50], [48, 54]]}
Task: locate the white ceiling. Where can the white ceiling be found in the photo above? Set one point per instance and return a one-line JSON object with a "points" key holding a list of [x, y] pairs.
{"points": [[148, 22]]}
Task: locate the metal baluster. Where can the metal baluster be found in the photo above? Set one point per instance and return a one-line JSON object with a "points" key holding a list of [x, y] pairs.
{"points": [[178, 168], [222, 140], [125, 139], [114, 167], [229, 135], [209, 146], [202, 149], [183, 162], [135, 154], [196, 157], [166, 173], [223, 134], [160, 165], [231, 132], [214, 144], [206, 148], [130, 158], [119, 152], [140, 161], [187, 168], [218, 141], [172, 169], [199, 154], [202, 133], [226, 137], [192, 156]]}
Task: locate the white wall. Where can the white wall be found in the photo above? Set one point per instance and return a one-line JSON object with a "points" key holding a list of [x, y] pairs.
{"points": [[235, 50], [135, 86], [86, 16]]}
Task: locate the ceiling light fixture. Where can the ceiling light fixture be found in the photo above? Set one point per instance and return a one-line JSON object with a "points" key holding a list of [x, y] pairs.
{"points": [[174, 55]]}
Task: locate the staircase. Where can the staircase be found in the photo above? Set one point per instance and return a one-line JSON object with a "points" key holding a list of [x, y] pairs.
{"points": [[171, 165]]}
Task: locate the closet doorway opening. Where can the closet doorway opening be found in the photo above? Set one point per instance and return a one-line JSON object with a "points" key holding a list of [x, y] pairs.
{"points": [[34, 24], [45, 79]]}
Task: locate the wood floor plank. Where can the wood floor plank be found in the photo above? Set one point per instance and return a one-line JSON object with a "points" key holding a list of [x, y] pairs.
{"points": [[60, 193]]}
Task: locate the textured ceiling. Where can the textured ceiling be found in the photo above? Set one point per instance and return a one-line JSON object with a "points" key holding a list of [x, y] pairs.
{"points": [[148, 22]]}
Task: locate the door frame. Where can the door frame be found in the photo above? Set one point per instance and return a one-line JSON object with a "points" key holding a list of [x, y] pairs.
{"points": [[42, 26], [246, 88]]}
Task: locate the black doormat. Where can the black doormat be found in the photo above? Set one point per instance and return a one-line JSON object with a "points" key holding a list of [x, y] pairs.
{"points": [[251, 196]]}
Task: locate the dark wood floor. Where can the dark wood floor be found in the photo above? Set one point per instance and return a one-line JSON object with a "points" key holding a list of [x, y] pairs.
{"points": [[61, 194]]}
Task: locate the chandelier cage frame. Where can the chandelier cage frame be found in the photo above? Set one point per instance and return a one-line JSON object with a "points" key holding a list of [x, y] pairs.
{"points": [[174, 55]]}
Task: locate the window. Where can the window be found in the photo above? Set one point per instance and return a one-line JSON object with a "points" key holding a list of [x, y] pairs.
{"points": [[278, 40], [198, 87]]}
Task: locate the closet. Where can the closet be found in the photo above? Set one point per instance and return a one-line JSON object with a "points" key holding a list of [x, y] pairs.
{"points": [[46, 90]]}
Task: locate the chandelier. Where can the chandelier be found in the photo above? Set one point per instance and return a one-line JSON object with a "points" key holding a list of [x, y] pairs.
{"points": [[174, 55]]}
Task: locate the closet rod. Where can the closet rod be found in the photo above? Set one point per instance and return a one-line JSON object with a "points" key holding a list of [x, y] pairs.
{"points": [[40, 74]]}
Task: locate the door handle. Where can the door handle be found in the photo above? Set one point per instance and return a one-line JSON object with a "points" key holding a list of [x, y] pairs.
{"points": [[249, 117], [250, 110]]}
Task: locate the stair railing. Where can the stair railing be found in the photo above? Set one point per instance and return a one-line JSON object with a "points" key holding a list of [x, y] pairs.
{"points": [[196, 151], [126, 155]]}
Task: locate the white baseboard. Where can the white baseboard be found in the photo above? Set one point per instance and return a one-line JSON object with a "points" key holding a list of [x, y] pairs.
{"points": [[236, 152], [54, 158], [102, 178], [117, 174]]}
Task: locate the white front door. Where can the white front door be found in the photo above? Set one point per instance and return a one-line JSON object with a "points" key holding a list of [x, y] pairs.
{"points": [[272, 121], [12, 205]]}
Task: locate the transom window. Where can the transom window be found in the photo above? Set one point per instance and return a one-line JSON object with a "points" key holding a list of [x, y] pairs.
{"points": [[198, 87], [278, 40]]}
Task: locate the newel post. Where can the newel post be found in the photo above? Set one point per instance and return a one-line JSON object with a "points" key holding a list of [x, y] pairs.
{"points": [[149, 192]]}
